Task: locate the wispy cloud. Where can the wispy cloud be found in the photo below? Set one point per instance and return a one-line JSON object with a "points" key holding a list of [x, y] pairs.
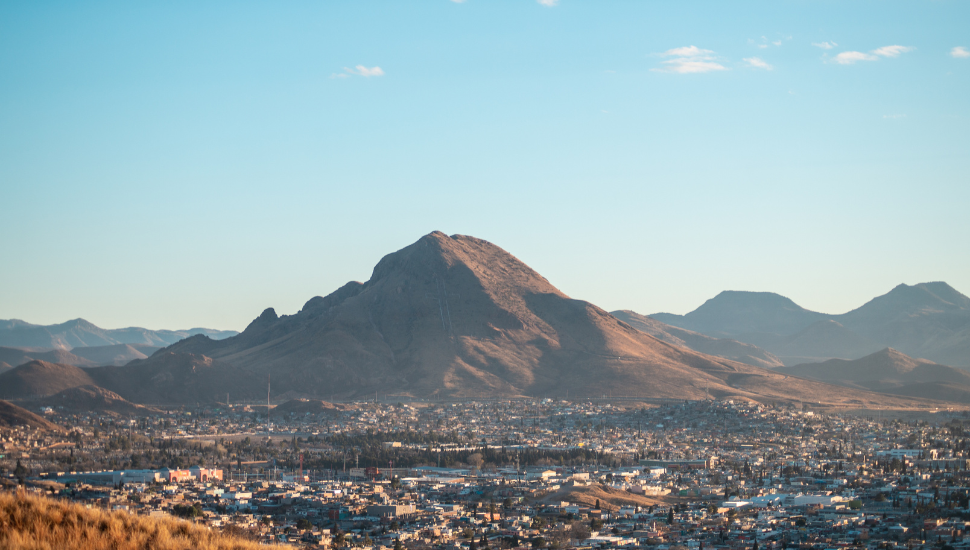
{"points": [[892, 51], [361, 70], [758, 63], [850, 57], [765, 43], [458, 1], [825, 45], [689, 59], [548, 3], [960, 52]]}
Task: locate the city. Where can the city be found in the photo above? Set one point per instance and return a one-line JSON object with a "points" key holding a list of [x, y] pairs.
{"points": [[518, 473]]}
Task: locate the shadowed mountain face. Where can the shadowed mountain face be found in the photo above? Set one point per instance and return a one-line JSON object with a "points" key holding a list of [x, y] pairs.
{"points": [[450, 316], [80, 333], [728, 349], [929, 320], [893, 372], [41, 379]]}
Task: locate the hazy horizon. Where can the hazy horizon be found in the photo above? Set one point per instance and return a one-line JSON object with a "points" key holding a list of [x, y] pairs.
{"points": [[181, 165]]}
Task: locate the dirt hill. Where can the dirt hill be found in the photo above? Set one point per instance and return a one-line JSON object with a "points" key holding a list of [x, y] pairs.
{"points": [[41, 379], [11, 415], [94, 398]]}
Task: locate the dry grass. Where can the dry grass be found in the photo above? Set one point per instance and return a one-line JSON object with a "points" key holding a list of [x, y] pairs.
{"points": [[34, 522]]}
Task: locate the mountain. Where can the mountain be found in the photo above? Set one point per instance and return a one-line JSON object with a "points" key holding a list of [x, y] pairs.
{"points": [[818, 341], [178, 378], [930, 320], [890, 371], [80, 333], [733, 313], [41, 379], [451, 317], [11, 416], [17, 356], [116, 355], [728, 349]]}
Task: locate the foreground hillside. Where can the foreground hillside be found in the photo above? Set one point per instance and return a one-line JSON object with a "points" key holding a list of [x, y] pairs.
{"points": [[40, 523]]}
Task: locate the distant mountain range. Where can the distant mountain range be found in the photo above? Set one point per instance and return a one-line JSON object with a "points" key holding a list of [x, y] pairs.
{"points": [[721, 347], [118, 354], [445, 317], [890, 371], [928, 320], [79, 333]]}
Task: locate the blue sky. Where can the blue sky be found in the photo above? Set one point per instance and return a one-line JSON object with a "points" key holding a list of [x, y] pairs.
{"points": [[177, 164]]}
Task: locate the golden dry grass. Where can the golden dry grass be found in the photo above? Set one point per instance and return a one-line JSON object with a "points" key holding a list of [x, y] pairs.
{"points": [[37, 523]]}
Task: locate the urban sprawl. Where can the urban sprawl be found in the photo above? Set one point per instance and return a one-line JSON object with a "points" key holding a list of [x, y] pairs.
{"points": [[518, 474]]}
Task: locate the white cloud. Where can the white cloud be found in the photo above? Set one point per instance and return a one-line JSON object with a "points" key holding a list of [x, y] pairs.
{"points": [[892, 51], [690, 59], [458, 1], [848, 58], [960, 52], [689, 51], [548, 3], [361, 70], [758, 63], [825, 45], [777, 42], [686, 66]]}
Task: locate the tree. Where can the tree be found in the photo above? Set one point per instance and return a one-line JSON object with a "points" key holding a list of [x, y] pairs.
{"points": [[597, 504], [472, 545], [303, 524], [20, 473], [397, 544]]}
